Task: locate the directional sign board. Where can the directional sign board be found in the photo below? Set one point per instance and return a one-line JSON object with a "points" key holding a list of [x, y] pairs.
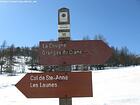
{"points": [[56, 85], [73, 52]]}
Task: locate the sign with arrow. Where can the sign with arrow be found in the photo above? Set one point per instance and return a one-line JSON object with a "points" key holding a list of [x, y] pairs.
{"points": [[73, 52], [56, 85]]}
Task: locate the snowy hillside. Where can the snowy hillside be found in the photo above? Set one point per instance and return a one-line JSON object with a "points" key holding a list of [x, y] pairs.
{"points": [[110, 87]]}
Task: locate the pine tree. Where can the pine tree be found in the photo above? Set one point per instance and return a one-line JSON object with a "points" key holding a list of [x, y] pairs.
{"points": [[10, 56], [2, 55]]}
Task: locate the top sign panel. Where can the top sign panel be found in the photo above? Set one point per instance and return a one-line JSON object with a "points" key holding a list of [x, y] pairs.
{"points": [[73, 52]]}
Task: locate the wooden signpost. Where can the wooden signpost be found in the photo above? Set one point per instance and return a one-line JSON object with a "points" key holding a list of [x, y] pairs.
{"points": [[56, 85], [64, 53], [73, 52]]}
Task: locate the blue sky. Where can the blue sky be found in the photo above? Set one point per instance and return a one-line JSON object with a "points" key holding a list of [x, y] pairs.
{"points": [[25, 24]]}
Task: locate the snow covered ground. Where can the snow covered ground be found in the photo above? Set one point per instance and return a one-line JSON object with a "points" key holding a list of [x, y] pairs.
{"points": [[110, 87]]}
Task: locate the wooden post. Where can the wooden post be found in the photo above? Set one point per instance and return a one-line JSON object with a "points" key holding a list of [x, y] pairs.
{"points": [[65, 68], [66, 101], [64, 35]]}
